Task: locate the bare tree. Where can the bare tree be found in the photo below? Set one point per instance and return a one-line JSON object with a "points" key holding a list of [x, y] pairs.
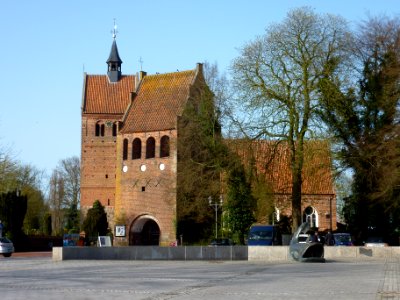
{"points": [[30, 181], [69, 169], [221, 89], [64, 192], [276, 78], [56, 201], [8, 171]]}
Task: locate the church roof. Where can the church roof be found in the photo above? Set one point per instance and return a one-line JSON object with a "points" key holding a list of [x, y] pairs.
{"points": [[104, 97], [273, 159], [160, 99]]}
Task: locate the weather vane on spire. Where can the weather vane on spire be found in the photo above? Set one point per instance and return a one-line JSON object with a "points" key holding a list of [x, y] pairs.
{"points": [[141, 64], [114, 31]]}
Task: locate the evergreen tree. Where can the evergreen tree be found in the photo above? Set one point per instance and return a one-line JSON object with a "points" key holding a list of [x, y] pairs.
{"points": [[72, 216], [95, 223], [239, 210], [364, 121], [202, 157]]}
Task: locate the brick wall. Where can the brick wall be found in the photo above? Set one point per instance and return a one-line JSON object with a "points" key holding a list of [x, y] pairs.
{"points": [[324, 205], [98, 162], [148, 192]]}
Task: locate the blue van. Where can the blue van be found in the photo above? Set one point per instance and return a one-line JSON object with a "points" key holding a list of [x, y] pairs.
{"points": [[264, 235]]}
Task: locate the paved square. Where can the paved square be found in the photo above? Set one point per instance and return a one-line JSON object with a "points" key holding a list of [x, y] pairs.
{"points": [[41, 278]]}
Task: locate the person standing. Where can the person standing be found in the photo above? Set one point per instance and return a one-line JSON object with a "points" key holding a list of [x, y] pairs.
{"points": [[329, 241], [1, 229], [315, 238]]}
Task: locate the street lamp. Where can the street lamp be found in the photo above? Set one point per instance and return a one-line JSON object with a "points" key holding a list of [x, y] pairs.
{"points": [[215, 205]]}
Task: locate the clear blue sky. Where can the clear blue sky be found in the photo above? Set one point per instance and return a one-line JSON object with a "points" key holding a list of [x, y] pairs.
{"points": [[47, 45]]}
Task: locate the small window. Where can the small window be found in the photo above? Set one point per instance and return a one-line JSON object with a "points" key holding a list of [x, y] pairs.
{"points": [[150, 147], [97, 130], [136, 148], [164, 146], [125, 150], [102, 128], [114, 129]]}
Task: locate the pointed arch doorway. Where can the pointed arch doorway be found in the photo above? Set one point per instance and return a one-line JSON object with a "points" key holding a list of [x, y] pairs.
{"points": [[144, 231], [310, 215]]}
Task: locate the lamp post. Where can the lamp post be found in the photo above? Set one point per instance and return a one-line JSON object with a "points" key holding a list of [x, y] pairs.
{"points": [[330, 213], [215, 205]]}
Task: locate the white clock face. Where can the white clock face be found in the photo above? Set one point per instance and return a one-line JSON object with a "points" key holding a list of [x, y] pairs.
{"points": [[143, 168], [125, 169], [162, 167]]}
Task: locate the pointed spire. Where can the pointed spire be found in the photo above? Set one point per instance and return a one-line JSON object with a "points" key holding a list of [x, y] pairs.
{"points": [[114, 55], [114, 61]]}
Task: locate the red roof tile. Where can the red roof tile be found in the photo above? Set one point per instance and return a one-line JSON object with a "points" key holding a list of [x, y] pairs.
{"points": [[160, 99], [273, 160], [104, 97]]}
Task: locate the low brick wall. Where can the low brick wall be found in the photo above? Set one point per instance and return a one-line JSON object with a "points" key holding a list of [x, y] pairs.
{"points": [[281, 253], [251, 253], [361, 252], [268, 253], [151, 253]]}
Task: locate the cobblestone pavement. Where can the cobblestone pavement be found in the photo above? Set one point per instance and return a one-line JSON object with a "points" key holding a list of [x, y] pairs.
{"points": [[389, 287], [41, 278]]}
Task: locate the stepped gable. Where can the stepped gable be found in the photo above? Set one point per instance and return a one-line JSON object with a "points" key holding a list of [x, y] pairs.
{"points": [[160, 99], [104, 97], [273, 159]]}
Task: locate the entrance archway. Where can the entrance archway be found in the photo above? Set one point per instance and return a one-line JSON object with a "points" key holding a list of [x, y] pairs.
{"points": [[144, 231]]}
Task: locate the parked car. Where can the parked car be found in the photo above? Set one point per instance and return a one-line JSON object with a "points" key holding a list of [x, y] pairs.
{"points": [[264, 235], [221, 242], [6, 247], [342, 239], [375, 241]]}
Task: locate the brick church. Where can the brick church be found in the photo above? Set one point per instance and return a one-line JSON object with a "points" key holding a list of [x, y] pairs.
{"points": [[271, 159], [129, 148], [129, 153]]}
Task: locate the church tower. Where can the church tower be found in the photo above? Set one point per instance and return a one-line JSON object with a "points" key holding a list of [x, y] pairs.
{"points": [[104, 101]]}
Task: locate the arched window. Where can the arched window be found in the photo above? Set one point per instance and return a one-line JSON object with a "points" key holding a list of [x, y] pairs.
{"points": [[310, 215], [164, 146], [277, 214], [150, 147], [125, 150], [136, 148], [102, 128], [114, 129], [97, 130]]}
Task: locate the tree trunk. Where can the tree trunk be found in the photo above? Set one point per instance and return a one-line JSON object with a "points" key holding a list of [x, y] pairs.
{"points": [[296, 198]]}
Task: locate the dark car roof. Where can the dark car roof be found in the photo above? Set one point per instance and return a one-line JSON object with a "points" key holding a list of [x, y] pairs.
{"points": [[4, 240]]}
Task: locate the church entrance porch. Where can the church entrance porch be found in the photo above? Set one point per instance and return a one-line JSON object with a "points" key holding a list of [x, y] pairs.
{"points": [[144, 231]]}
